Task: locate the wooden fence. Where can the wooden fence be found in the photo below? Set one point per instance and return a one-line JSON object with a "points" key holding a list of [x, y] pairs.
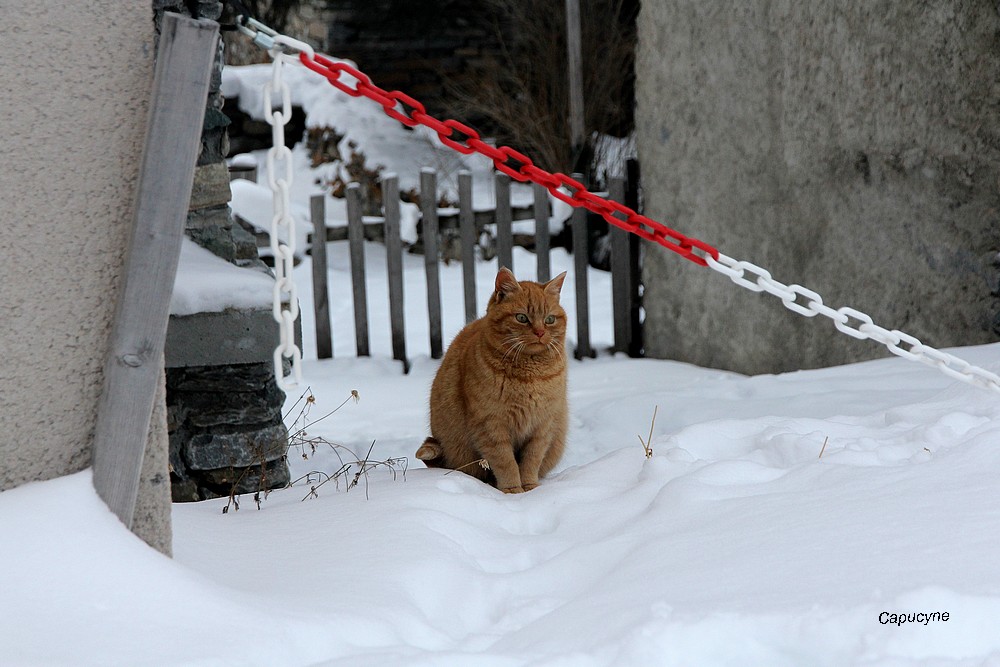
{"points": [[624, 261]]}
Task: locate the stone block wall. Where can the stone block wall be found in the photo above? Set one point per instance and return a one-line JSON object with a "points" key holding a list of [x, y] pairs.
{"points": [[414, 46], [223, 405], [851, 147], [226, 432]]}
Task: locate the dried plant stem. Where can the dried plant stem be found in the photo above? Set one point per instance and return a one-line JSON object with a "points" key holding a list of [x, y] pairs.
{"points": [[483, 463], [823, 448], [647, 444]]}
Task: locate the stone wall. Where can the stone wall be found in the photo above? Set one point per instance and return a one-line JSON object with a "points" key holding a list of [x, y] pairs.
{"points": [[226, 432], [851, 147], [414, 46], [223, 405]]}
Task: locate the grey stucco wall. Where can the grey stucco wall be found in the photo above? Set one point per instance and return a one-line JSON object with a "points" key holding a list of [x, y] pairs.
{"points": [[76, 84], [851, 147]]}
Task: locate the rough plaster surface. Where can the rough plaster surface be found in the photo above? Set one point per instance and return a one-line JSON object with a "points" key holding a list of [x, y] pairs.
{"points": [[852, 147], [76, 88]]}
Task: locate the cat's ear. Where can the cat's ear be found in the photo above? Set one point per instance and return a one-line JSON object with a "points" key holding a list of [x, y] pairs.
{"points": [[554, 286], [506, 284]]}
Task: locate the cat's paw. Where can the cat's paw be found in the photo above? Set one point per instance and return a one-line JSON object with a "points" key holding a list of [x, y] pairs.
{"points": [[514, 489], [528, 486]]}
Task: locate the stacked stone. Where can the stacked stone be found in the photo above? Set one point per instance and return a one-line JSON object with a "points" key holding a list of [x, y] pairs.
{"points": [[224, 409], [226, 432]]}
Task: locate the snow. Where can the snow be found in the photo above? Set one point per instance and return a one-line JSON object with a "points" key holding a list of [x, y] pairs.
{"points": [[781, 520], [207, 284], [385, 142], [736, 543]]}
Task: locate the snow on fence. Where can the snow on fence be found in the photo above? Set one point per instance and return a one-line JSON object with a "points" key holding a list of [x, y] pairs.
{"points": [[465, 231]]}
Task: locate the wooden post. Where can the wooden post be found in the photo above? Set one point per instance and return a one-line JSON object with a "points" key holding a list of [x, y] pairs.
{"points": [[356, 239], [620, 287], [636, 342], [504, 218], [428, 209], [467, 234], [544, 273], [134, 365], [580, 264], [321, 293], [574, 61], [394, 266]]}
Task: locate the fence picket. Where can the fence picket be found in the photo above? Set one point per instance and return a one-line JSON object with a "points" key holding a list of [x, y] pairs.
{"points": [[394, 267], [321, 292], [428, 209], [467, 234], [356, 239], [504, 219], [620, 287], [580, 263], [634, 262], [624, 262], [541, 210]]}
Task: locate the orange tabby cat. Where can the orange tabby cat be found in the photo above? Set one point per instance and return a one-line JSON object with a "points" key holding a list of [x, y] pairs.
{"points": [[500, 393]]}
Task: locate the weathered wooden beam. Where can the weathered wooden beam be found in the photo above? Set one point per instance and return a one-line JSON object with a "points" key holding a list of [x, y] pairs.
{"points": [[134, 363], [542, 244], [574, 71], [394, 267], [467, 235], [428, 209], [356, 239], [321, 291], [505, 232]]}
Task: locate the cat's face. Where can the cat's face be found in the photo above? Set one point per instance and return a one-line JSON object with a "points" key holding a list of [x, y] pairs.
{"points": [[526, 317]]}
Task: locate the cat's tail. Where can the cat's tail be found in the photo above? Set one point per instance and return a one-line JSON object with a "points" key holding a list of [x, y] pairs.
{"points": [[431, 453]]}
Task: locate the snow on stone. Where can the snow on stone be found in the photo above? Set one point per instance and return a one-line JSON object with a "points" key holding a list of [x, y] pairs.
{"points": [[208, 284]]}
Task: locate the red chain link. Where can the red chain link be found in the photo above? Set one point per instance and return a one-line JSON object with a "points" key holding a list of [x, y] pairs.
{"points": [[464, 139]]}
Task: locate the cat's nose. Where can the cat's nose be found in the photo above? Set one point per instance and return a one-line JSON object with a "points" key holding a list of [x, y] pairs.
{"points": [[539, 332]]}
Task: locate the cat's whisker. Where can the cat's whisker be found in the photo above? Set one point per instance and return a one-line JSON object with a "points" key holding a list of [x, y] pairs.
{"points": [[512, 344]]}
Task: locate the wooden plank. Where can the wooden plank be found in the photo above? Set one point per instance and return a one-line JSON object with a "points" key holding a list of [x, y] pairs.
{"points": [[636, 341], [504, 218], [428, 209], [394, 266], [580, 264], [321, 293], [574, 70], [134, 363], [542, 240], [467, 235], [356, 239], [619, 273]]}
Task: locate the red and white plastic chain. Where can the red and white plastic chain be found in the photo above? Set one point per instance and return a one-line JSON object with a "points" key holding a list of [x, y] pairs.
{"points": [[464, 139]]}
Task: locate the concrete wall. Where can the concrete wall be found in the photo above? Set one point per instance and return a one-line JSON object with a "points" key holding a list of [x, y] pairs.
{"points": [[76, 84], [852, 147]]}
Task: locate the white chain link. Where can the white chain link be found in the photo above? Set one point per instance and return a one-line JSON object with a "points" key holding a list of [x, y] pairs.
{"points": [[279, 177], [865, 328]]}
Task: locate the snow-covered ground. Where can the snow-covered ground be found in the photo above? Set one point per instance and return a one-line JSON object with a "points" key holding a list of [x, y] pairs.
{"points": [[735, 544], [829, 517]]}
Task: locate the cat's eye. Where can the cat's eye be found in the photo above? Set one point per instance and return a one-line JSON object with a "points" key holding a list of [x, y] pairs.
{"points": [[522, 318], [551, 319]]}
